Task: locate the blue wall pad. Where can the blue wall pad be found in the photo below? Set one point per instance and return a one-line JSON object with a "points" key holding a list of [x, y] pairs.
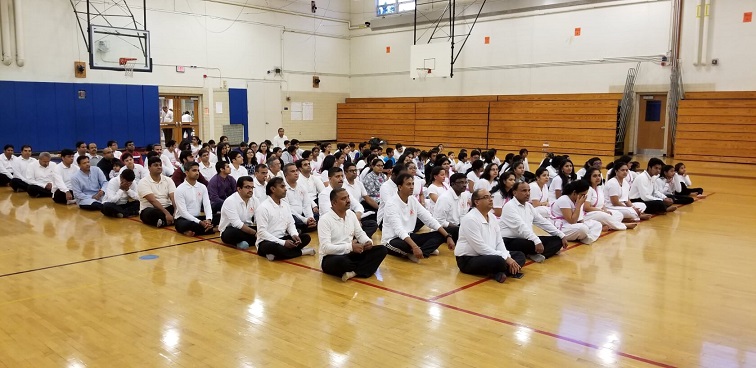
{"points": [[237, 110], [52, 116]]}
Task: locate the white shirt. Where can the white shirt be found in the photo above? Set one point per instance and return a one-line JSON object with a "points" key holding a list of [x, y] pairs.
{"points": [[526, 164], [473, 177], [299, 201], [564, 202], [388, 191], [41, 176], [595, 197], [644, 187], [7, 163], [499, 201], [357, 190], [324, 202], [76, 155], [207, 171], [213, 157], [168, 167], [5, 170], [434, 189], [312, 184], [462, 167], [238, 173], [483, 184], [262, 158], [168, 116], [279, 141], [555, 185], [62, 177], [20, 167], [336, 234], [517, 221], [450, 208], [190, 200], [236, 213], [139, 172], [613, 188], [480, 236], [160, 189], [400, 218], [540, 194], [117, 154], [114, 193], [186, 118], [274, 221], [259, 191], [195, 149]]}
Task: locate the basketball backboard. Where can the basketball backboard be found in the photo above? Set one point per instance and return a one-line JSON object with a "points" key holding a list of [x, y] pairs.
{"points": [[434, 56], [110, 44]]}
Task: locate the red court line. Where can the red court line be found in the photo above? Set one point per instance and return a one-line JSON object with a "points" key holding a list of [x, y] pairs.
{"points": [[437, 297]]}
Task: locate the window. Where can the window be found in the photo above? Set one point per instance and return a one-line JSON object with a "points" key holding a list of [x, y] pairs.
{"points": [[653, 110], [385, 7]]}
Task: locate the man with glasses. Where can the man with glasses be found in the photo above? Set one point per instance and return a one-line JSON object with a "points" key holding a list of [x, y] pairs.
{"points": [[452, 205], [237, 224], [106, 163], [336, 181]]}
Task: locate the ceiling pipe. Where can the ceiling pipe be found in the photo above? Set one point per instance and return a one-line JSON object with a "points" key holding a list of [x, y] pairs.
{"points": [[18, 21], [5, 25]]}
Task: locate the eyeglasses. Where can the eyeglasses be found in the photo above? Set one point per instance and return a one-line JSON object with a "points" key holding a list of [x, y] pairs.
{"points": [[483, 197], [352, 171], [248, 187]]}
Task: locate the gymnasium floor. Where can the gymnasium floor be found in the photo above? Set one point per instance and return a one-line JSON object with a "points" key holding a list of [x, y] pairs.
{"points": [[676, 292]]}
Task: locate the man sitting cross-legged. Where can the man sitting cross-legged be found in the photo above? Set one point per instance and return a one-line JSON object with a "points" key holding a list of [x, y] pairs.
{"points": [[221, 186], [274, 221], [39, 176], [121, 198], [156, 201], [481, 250], [191, 199], [62, 189], [336, 181], [400, 218], [89, 185], [237, 224], [345, 249]]}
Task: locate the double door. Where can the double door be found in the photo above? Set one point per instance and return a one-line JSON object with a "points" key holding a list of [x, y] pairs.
{"points": [[179, 117]]}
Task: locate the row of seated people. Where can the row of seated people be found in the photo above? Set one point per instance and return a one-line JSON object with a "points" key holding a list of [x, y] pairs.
{"points": [[280, 207]]}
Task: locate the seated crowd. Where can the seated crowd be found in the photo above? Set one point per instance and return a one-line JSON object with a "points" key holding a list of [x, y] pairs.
{"points": [[273, 194]]}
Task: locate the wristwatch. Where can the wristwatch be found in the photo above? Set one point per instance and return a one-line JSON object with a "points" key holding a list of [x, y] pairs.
{"points": [[448, 236]]}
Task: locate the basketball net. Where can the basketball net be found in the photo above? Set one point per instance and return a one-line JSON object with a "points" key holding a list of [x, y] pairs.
{"points": [[422, 73], [128, 66]]}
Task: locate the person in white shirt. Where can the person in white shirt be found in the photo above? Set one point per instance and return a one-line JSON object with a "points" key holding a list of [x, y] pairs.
{"points": [[186, 117], [682, 178], [592, 162], [94, 158], [274, 222], [121, 198], [156, 196], [400, 217], [517, 222], [389, 190], [19, 167], [139, 171], [670, 185], [567, 214], [39, 176], [274, 168], [539, 192], [312, 183], [165, 159], [6, 167], [81, 150], [617, 194], [166, 115], [524, 154], [89, 185], [237, 169], [481, 250], [207, 167], [355, 187], [261, 182], [644, 190], [171, 157], [191, 200], [437, 188], [595, 204], [64, 171], [489, 178], [462, 164], [195, 146], [473, 174], [113, 145], [346, 250], [299, 200], [278, 140], [237, 224], [565, 175], [503, 192], [452, 205], [336, 181]]}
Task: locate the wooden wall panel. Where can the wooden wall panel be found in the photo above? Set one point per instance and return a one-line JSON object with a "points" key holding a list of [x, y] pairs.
{"points": [[717, 126], [393, 122], [453, 124]]}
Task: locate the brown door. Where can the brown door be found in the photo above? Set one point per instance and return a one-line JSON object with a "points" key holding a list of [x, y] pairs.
{"points": [[182, 120], [652, 120]]}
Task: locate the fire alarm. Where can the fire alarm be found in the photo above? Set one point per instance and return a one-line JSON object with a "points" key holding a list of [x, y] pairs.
{"points": [[315, 81]]}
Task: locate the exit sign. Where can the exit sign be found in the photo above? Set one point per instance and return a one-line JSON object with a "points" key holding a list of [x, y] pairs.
{"points": [[180, 69]]}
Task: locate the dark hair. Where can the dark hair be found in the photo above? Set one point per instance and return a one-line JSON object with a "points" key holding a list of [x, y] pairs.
{"points": [[152, 154], [666, 168], [590, 162], [577, 186], [501, 186], [474, 153], [249, 161], [477, 165], [260, 167], [63, 153], [397, 169], [110, 143], [456, 176], [348, 165], [335, 192], [79, 143], [436, 170], [487, 172], [126, 155], [231, 155], [286, 167], [221, 138], [81, 158], [333, 171], [184, 155], [242, 180], [8, 146], [212, 141], [170, 143], [566, 179], [151, 160], [615, 166], [461, 156], [298, 163], [306, 154], [540, 171], [655, 161], [291, 149], [188, 165], [523, 150], [328, 163], [588, 173], [678, 166], [219, 149], [119, 163], [127, 143], [294, 141], [273, 182], [276, 150], [401, 178], [128, 174], [398, 145], [220, 165]]}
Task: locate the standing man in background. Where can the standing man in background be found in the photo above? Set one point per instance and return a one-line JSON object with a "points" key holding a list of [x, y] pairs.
{"points": [[278, 141]]}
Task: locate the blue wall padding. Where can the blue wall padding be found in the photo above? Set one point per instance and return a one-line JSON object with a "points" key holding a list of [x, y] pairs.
{"points": [[237, 109]]}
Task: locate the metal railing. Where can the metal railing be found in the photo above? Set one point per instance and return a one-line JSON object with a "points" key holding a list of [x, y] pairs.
{"points": [[676, 93], [626, 107]]}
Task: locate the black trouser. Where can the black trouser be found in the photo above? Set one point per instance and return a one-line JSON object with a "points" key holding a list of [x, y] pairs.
{"points": [[279, 251], [38, 192], [18, 185], [151, 215], [363, 264], [453, 230], [94, 206], [652, 207], [233, 236], [680, 199], [183, 225], [127, 209], [427, 242], [488, 265], [551, 245], [216, 207], [370, 226], [4, 180], [302, 226], [688, 191], [59, 197]]}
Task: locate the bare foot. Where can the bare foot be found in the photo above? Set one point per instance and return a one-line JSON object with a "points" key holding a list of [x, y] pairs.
{"points": [[671, 208], [701, 196], [632, 226], [188, 233], [604, 228], [645, 217]]}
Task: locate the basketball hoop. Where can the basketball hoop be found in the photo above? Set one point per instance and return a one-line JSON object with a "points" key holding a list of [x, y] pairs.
{"points": [[422, 73], [128, 65]]}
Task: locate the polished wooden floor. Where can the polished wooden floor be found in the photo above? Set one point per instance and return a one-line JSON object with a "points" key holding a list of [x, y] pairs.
{"points": [[74, 292]]}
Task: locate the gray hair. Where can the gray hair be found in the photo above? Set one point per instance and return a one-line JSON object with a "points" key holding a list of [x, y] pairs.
{"points": [[45, 155]]}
